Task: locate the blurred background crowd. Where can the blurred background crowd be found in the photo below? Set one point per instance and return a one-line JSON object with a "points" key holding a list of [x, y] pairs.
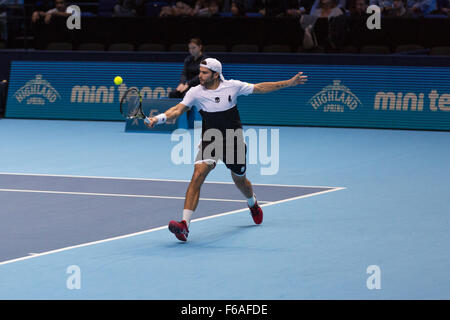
{"points": [[25, 23]]}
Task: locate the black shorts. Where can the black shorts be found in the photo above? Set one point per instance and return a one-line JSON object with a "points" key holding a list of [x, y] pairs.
{"points": [[234, 155], [226, 127]]}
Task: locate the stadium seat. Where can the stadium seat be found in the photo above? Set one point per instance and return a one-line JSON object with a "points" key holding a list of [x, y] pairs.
{"points": [[318, 49], [122, 46], [178, 47], [92, 46], [410, 48], [215, 48], [349, 49], [277, 48], [375, 50], [245, 48], [151, 47], [440, 51], [59, 46]]}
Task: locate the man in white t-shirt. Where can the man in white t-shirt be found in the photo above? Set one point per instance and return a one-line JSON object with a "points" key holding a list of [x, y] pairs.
{"points": [[222, 136], [59, 10]]}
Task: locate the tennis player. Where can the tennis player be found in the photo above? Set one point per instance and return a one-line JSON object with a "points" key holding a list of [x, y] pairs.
{"points": [[216, 98]]}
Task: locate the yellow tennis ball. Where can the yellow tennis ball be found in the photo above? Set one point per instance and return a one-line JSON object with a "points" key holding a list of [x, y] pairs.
{"points": [[118, 80]]}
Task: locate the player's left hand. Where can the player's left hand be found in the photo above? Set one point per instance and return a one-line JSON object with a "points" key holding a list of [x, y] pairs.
{"points": [[299, 78]]}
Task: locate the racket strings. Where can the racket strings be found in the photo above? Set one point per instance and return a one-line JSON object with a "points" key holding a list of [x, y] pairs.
{"points": [[132, 103]]}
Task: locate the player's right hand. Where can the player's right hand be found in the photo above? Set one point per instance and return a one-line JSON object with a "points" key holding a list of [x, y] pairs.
{"points": [[151, 122]]}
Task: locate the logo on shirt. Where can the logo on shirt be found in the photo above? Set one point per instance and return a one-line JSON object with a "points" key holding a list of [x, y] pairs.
{"points": [[334, 98], [229, 98], [217, 99]]}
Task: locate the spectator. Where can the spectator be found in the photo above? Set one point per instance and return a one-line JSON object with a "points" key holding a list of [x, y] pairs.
{"points": [[339, 4], [398, 10], [179, 8], [210, 9], [201, 7], [327, 9], [238, 8], [189, 77], [358, 8], [59, 10], [127, 8], [334, 35], [384, 5], [421, 7]]}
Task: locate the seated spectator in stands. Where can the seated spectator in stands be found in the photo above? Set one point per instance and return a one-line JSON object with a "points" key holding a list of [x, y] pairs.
{"points": [[327, 9], [59, 10], [127, 8], [200, 7], [339, 4], [335, 34], [211, 9], [421, 7], [443, 7], [398, 10], [358, 8], [238, 8], [179, 8], [385, 5]]}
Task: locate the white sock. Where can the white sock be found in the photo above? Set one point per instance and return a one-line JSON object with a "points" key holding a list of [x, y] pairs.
{"points": [[251, 201], [187, 215]]}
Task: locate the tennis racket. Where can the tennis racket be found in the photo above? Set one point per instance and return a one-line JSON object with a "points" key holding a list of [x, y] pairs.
{"points": [[131, 105]]}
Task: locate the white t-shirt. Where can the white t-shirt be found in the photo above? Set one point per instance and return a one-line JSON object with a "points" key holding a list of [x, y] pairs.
{"points": [[220, 99]]}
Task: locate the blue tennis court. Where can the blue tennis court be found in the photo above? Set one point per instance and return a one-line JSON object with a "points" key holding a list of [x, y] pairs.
{"points": [[110, 207], [87, 194]]}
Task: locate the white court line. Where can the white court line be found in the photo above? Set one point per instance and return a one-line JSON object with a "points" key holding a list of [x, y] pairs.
{"points": [[151, 179], [163, 227], [116, 195]]}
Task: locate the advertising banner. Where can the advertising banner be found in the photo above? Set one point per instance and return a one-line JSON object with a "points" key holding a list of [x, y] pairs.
{"points": [[403, 97]]}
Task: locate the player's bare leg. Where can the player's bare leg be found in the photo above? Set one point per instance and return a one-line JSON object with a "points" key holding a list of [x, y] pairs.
{"points": [[201, 171], [245, 186]]}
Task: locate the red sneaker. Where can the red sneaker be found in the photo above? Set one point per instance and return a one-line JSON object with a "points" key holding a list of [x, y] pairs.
{"points": [[256, 213], [180, 229]]}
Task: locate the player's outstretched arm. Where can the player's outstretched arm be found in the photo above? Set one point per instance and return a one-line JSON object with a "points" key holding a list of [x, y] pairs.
{"points": [[265, 87], [171, 113]]}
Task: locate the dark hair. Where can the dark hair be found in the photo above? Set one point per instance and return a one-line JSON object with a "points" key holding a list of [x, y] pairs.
{"points": [[197, 41]]}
